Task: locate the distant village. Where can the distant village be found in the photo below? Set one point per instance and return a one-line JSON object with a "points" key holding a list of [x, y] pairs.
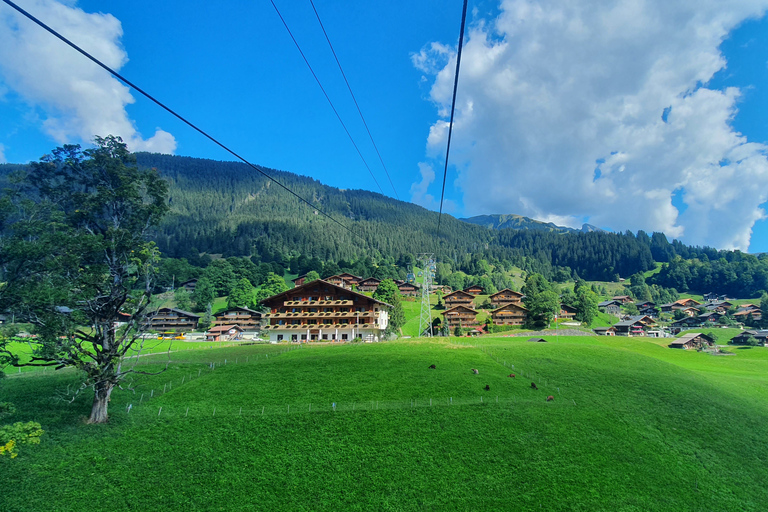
{"points": [[339, 308]]}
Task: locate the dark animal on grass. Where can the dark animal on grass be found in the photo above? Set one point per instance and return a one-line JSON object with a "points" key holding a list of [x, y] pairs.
{"points": [[533, 385], [512, 375], [432, 367], [487, 387], [475, 371], [550, 398]]}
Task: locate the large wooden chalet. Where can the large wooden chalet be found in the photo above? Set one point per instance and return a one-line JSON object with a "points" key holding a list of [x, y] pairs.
{"points": [[504, 297], [459, 298], [408, 289], [460, 316], [509, 314], [634, 326], [567, 312], [611, 307], [345, 280], [760, 335], [320, 311], [369, 285], [171, 319], [694, 340], [245, 318], [475, 290]]}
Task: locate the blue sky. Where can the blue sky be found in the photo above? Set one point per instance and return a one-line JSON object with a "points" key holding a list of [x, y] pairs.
{"points": [[545, 92]]}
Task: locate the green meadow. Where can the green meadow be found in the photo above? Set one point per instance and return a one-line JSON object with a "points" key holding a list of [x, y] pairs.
{"points": [[634, 426]]}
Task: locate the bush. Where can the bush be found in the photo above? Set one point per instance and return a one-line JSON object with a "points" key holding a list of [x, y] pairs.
{"points": [[17, 434]]}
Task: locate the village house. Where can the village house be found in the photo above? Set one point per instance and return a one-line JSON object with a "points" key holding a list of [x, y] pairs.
{"points": [[747, 310], [171, 319], [624, 299], [711, 317], [693, 340], [475, 290], [611, 307], [509, 314], [504, 297], [689, 322], [605, 331], [459, 298], [245, 318], [634, 326], [369, 285], [760, 335], [323, 311], [645, 304], [189, 285], [408, 289], [300, 280], [460, 316], [345, 280], [567, 312], [649, 311], [719, 306], [224, 333]]}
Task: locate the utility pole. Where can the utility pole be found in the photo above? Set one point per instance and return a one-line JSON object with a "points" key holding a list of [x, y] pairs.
{"points": [[427, 261]]}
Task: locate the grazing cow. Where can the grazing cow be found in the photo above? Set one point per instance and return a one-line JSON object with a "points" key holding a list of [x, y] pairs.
{"points": [[487, 387], [533, 385], [512, 375], [475, 371], [432, 367], [550, 398]]}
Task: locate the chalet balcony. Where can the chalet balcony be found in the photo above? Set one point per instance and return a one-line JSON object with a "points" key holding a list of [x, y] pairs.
{"points": [[294, 303]]}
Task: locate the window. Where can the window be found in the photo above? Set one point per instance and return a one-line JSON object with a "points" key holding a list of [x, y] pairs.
{"points": [[325, 336], [303, 337], [343, 336], [294, 337], [279, 337], [313, 310]]}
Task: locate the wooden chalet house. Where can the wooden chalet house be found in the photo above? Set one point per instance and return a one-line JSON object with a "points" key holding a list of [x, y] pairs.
{"points": [[345, 280], [760, 335], [320, 311], [460, 316], [171, 319], [689, 322], [694, 340], [605, 331], [475, 290], [408, 289], [567, 312], [369, 285], [512, 313], [611, 307], [300, 280], [624, 299], [634, 326], [224, 333], [245, 318], [746, 310], [711, 317], [459, 298], [504, 297], [189, 285]]}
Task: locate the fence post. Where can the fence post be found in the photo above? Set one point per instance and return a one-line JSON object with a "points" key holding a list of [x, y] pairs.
{"points": [[158, 412], [214, 411], [186, 413]]}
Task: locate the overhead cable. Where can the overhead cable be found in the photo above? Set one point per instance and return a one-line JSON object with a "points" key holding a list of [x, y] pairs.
{"points": [[326, 96], [353, 98], [257, 168], [453, 108]]}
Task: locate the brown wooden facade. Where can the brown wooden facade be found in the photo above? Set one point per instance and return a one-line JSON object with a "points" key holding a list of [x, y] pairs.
{"points": [[408, 289], [172, 319], [245, 318], [369, 285], [475, 290], [509, 314], [504, 297], [321, 311], [567, 312], [459, 298], [460, 316]]}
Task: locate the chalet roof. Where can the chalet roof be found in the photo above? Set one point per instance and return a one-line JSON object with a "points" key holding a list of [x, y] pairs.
{"points": [[633, 320], [323, 283], [370, 279], [683, 301], [459, 307], [240, 308], [645, 304], [347, 275], [709, 314], [457, 292], [538, 340], [606, 303], [224, 328], [505, 291], [407, 285], [511, 305], [693, 335], [622, 297], [188, 281], [568, 308], [678, 342], [603, 329], [300, 277], [179, 311]]}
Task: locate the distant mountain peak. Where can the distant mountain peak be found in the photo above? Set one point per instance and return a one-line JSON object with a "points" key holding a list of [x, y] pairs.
{"points": [[512, 221]]}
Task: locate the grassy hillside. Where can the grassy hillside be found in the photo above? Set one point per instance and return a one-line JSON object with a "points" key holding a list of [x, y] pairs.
{"points": [[634, 426]]}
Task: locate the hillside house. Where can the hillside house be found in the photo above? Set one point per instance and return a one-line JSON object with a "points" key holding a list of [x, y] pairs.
{"points": [[171, 319], [509, 314], [605, 331], [320, 310], [634, 326], [611, 307], [459, 298], [567, 312], [345, 280], [645, 304], [189, 285], [624, 299], [649, 311], [746, 310], [711, 317], [224, 333], [369, 285], [760, 335], [244, 318], [475, 290], [460, 316], [300, 280], [408, 289], [504, 297], [693, 340]]}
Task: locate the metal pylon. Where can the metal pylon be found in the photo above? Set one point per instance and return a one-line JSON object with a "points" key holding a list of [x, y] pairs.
{"points": [[425, 317]]}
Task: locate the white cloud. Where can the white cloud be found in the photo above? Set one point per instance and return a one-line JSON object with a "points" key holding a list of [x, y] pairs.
{"points": [[419, 194], [2, 154], [559, 116], [80, 100]]}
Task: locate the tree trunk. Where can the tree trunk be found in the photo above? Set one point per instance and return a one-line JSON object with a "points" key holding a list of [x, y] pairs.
{"points": [[101, 393]]}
